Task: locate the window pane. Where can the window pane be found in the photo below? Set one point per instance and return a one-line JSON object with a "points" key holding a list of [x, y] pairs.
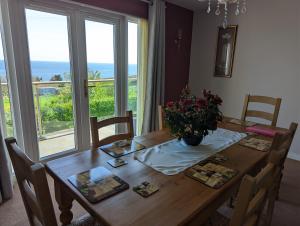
{"points": [[5, 103], [132, 66], [101, 73], [51, 81]]}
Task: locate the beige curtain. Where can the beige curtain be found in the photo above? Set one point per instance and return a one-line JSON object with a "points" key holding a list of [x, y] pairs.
{"points": [[142, 72], [6, 188], [156, 66]]}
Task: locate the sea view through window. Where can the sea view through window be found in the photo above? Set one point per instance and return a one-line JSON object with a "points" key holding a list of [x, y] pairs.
{"points": [[54, 92], [45, 70]]}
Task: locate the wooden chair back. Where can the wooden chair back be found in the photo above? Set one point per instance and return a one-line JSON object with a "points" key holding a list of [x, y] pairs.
{"points": [[272, 117], [280, 140], [161, 118], [96, 125], [276, 156], [252, 196], [281, 145], [284, 140], [33, 185], [293, 129]]}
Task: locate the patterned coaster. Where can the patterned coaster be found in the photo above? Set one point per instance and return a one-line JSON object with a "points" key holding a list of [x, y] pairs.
{"points": [[256, 143], [242, 123], [117, 162], [211, 174], [217, 158], [98, 183], [146, 189], [122, 147]]}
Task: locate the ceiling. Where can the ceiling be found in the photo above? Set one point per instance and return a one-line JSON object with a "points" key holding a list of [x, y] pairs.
{"points": [[194, 5]]}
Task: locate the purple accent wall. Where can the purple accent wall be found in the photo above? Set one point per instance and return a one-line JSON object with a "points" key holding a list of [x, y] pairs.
{"points": [[179, 22], [132, 7]]}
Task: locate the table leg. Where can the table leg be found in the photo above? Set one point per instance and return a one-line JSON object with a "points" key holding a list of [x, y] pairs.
{"points": [[64, 203]]}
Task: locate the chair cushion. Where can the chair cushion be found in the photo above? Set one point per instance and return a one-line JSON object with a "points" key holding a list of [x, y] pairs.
{"points": [[217, 220], [85, 220]]}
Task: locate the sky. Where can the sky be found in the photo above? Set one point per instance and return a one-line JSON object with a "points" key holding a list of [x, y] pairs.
{"points": [[48, 39], [1, 50]]}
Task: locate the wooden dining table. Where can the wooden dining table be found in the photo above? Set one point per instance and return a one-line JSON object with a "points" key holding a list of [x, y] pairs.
{"points": [[179, 201]]}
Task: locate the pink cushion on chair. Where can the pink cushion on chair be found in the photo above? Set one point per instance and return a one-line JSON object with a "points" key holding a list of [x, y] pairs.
{"points": [[263, 131]]}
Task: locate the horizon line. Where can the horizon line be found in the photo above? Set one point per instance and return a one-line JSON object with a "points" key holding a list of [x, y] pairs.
{"points": [[69, 62]]}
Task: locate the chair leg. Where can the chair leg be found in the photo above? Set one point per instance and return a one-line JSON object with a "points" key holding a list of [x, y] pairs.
{"points": [[230, 203], [272, 197], [210, 222], [278, 187], [270, 209]]}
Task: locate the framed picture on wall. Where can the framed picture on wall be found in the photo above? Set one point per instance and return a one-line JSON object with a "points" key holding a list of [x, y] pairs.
{"points": [[225, 51]]}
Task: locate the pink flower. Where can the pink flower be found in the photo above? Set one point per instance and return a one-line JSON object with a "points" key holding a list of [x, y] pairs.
{"points": [[170, 104]]}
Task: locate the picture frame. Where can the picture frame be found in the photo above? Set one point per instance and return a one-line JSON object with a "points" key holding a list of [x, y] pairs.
{"points": [[226, 44]]}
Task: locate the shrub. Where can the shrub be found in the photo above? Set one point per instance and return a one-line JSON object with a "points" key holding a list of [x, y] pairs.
{"points": [[56, 111]]}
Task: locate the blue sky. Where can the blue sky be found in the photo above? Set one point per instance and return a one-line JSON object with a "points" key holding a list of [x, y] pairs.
{"points": [[48, 39]]}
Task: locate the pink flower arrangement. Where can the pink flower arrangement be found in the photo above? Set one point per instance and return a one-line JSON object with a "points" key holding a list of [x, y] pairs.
{"points": [[193, 116]]}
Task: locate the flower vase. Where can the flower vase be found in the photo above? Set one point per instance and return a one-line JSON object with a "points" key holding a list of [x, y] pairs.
{"points": [[193, 140]]}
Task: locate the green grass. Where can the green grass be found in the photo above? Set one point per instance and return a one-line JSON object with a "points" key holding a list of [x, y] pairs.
{"points": [[56, 111]]}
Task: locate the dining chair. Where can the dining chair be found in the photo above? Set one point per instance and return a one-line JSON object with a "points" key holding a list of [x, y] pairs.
{"points": [[33, 185], [275, 156], [96, 125], [272, 117], [281, 146], [251, 198], [280, 141], [161, 118], [284, 141], [292, 131], [279, 150]]}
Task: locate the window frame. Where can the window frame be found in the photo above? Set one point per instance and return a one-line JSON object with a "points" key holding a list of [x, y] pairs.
{"points": [[19, 63], [6, 66]]}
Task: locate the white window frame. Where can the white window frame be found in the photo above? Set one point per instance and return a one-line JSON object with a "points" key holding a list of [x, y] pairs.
{"points": [[132, 20], [4, 37], [15, 30]]}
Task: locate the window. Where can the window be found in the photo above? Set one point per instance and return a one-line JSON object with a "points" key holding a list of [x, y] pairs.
{"points": [[77, 70], [100, 50], [5, 102], [51, 81], [132, 66]]}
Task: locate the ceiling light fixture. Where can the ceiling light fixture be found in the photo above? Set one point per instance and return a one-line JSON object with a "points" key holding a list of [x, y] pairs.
{"points": [[239, 9]]}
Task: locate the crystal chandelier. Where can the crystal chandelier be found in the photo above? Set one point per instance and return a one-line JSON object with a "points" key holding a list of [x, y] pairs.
{"points": [[239, 8]]}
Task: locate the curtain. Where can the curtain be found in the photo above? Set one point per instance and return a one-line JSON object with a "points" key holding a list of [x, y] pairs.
{"points": [[156, 66], [142, 72], [6, 189]]}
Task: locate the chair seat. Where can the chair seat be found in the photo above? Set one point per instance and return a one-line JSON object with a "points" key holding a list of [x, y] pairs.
{"points": [[217, 219], [85, 220]]}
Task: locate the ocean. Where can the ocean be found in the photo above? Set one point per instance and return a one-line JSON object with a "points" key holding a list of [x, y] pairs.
{"points": [[47, 69]]}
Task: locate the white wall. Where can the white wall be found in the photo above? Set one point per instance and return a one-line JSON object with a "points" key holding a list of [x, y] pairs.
{"points": [[267, 59]]}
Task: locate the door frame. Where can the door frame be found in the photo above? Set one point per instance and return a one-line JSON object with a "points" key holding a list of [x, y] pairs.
{"points": [[19, 63]]}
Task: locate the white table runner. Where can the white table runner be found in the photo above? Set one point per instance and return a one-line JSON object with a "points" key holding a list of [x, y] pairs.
{"points": [[175, 156]]}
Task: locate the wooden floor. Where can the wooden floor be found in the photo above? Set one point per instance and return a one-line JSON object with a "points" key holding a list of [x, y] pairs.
{"points": [[287, 209]]}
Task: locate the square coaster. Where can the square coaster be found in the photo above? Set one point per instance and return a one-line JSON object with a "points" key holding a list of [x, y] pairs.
{"points": [[117, 162], [146, 189], [242, 123], [256, 143], [122, 147], [211, 174], [97, 184], [218, 158]]}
